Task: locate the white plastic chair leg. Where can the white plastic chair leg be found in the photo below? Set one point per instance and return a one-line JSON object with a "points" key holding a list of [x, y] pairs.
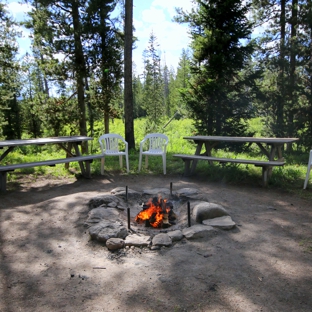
{"points": [[120, 161], [146, 161], [102, 165], [164, 163], [308, 171], [307, 176], [127, 163], [140, 162]]}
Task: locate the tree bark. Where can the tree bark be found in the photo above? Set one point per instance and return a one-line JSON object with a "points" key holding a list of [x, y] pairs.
{"points": [[292, 78], [128, 94], [279, 131], [80, 73]]}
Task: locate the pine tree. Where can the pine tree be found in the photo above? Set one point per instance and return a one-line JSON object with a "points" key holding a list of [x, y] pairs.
{"points": [[9, 72], [104, 58], [137, 87], [62, 32], [82, 33], [153, 96], [279, 53], [182, 82], [219, 97]]}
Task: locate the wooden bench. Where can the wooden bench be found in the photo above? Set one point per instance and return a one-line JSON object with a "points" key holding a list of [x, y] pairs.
{"points": [[266, 165], [85, 158]]}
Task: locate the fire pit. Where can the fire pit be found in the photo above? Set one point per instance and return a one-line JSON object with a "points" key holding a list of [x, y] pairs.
{"points": [[155, 217], [157, 213]]}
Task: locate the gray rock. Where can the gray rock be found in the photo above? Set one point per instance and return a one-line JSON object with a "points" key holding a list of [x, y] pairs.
{"points": [[205, 210], [96, 215], [175, 235], [198, 231], [104, 200], [107, 229], [188, 191], [115, 243], [121, 191], [156, 191], [137, 240], [225, 223], [112, 205], [162, 239], [155, 248], [122, 208], [191, 193]]}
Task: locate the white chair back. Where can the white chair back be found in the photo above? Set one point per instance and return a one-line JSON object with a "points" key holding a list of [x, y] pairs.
{"points": [[110, 146], [157, 145], [110, 143], [157, 142]]}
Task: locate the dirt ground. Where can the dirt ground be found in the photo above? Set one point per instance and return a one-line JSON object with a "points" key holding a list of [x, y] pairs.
{"points": [[49, 263]]}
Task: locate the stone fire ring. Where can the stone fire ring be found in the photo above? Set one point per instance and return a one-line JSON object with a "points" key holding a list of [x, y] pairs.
{"points": [[107, 220]]}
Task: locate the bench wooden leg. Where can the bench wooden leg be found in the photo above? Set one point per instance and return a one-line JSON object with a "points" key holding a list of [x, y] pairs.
{"points": [[85, 168], [3, 179], [68, 154], [265, 175], [187, 163], [88, 169]]}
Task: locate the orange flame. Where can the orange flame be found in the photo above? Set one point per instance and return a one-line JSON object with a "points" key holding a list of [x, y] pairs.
{"points": [[154, 213]]}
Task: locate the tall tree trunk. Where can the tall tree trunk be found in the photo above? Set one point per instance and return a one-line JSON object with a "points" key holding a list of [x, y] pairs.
{"points": [[128, 94], [309, 2], [281, 76], [89, 107], [80, 67], [292, 78], [45, 80], [103, 79]]}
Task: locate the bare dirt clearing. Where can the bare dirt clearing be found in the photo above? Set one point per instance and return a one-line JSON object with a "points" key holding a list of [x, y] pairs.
{"points": [[49, 263]]}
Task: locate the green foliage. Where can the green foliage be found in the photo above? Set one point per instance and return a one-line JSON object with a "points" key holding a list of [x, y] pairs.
{"points": [[220, 95], [9, 70], [217, 87], [255, 126], [138, 98], [90, 47], [181, 83], [289, 177], [153, 94], [104, 60]]}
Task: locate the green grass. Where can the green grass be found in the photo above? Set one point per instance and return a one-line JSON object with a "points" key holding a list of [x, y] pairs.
{"points": [[289, 177], [255, 126]]}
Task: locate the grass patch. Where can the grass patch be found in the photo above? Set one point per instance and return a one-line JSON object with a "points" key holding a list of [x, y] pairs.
{"points": [[289, 177]]}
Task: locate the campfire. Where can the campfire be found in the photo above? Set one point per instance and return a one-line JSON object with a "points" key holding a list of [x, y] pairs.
{"points": [[157, 213]]}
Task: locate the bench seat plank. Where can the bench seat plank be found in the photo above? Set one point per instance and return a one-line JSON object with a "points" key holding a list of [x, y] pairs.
{"points": [[7, 168], [266, 165], [232, 160], [49, 162]]}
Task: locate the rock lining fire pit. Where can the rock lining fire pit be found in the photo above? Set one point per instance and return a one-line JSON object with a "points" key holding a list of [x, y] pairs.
{"points": [[154, 217]]}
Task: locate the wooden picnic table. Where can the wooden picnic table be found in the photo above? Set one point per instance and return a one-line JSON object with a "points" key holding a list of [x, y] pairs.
{"points": [[70, 144], [272, 148]]}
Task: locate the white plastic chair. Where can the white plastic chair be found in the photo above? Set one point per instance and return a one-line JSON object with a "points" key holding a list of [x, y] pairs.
{"points": [[110, 144], [308, 171], [157, 145]]}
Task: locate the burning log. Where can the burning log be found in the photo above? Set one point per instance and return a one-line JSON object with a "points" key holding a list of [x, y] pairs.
{"points": [[165, 220], [157, 213], [172, 217]]}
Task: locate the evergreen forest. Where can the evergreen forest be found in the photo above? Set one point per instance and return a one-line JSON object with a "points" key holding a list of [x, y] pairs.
{"points": [[73, 81]]}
